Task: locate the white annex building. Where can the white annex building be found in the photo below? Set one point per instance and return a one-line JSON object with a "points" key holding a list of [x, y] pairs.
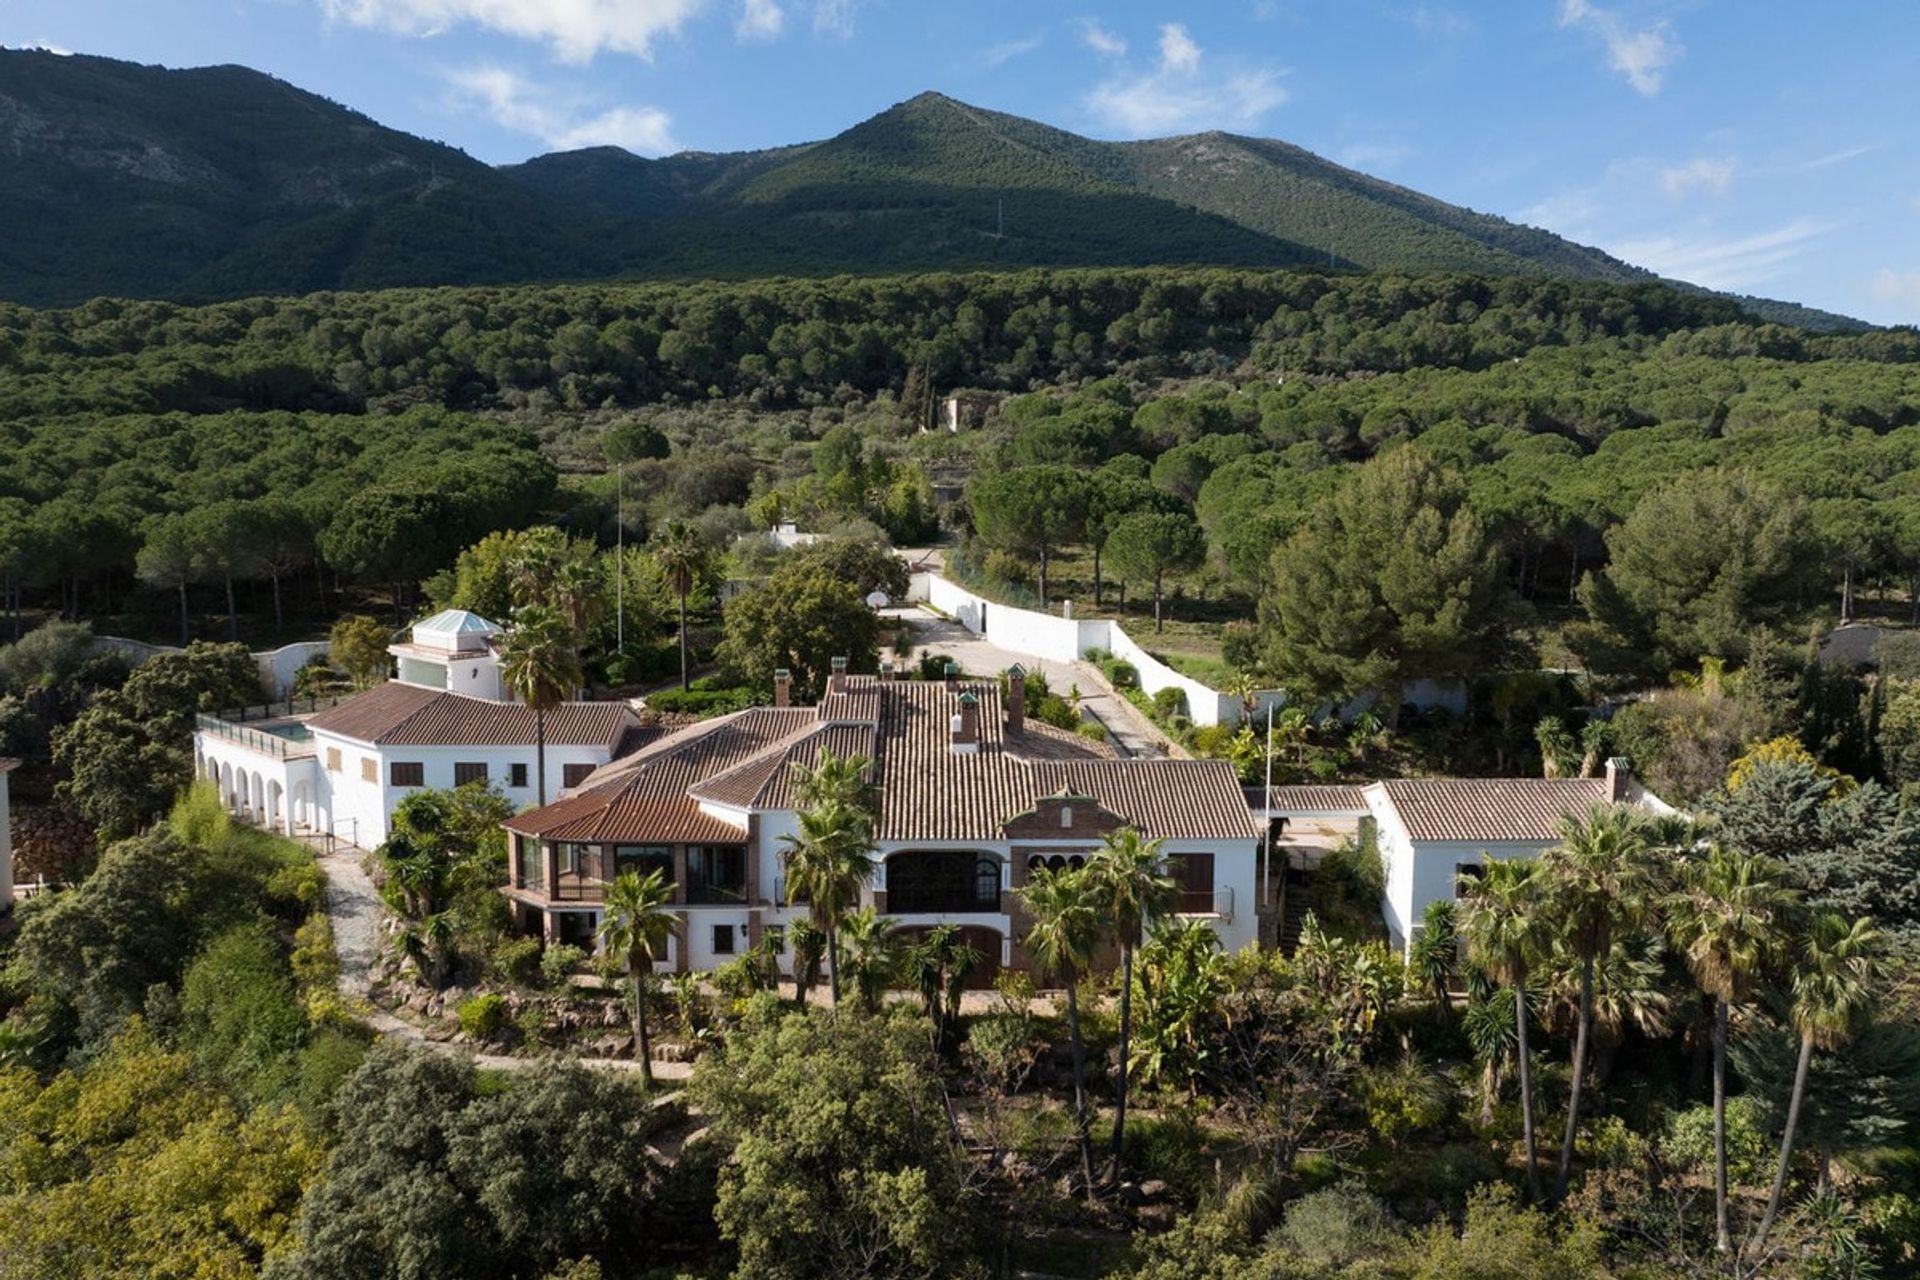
{"points": [[1434, 833], [339, 769]]}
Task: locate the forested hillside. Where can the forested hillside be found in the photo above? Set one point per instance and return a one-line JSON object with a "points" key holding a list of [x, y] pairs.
{"points": [[221, 182]]}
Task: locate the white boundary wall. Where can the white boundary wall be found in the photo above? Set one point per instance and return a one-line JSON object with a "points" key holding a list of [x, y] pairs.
{"points": [[1068, 640], [277, 666]]}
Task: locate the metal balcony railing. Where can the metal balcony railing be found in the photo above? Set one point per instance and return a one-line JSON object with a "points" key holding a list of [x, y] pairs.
{"points": [[1205, 902]]}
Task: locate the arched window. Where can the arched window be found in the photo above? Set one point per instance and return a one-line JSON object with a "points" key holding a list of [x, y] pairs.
{"points": [[986, 883]]}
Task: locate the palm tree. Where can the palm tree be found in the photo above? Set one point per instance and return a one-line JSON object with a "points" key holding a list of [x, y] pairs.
{"points": [[1596, 883], [1833, 992], [809, 944], [835, 779], [639, 920], [1725, 920], [542, 665], [872, 949], [1065, 907], [683, 558], [1502, 926], [939, 965], [829, 862], [1435, 957], [1129, 875]]}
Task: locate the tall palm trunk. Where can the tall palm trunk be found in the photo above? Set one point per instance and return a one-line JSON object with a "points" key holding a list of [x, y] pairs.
{"points": [[540, 755], [1043, 577], [833, 965], [683, 638], [1722, 1238], [183, 614], [1126, 1036], [233, 614], [1579, 1078], [1526, 1079], [1786, 1140], [1079, 1082], [637, 972], [279, 619], [1158, 625], [1098, 584]]}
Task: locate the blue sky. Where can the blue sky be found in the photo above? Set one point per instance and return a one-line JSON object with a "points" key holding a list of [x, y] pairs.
{"points": [[1757, 145]]}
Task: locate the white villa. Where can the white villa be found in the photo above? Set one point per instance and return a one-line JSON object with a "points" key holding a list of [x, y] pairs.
{"points": [[340, 769], [972, 795], [1433, 832]]}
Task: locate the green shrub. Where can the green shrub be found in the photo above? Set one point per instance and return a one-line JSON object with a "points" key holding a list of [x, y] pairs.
{"points": [[483, 1016], [1170, 702], [1689, 1138], [239, 1016], [705, 703], [1003, 1048], [315, 964], [1173, 1148], [1336, 1227], [516, 960], [1405, 1099], [560, 961]]}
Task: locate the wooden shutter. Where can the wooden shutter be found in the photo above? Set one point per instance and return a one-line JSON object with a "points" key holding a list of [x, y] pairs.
{"points": [[1193, 873]]}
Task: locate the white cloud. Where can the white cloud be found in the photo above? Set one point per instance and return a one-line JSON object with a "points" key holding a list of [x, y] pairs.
{"points": [[1641, 55], [1439, 23], [1839, 157], [1567, 213], [1008, 50], [514, 102], [1101, 40], [834, 18], [760, 20], [1178, 95], [1899, 287], [575, 30], [1178, 52], [1703, 174], [1705, 258]]}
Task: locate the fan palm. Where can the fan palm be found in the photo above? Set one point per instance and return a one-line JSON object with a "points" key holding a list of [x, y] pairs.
{"points": [[638, 922], [1833, 992], [1129, 876], [871, 946], [541, 663], [683, 558], [835, 779], [1725, 920], [1501, 922], [1065, 909], [939, 965], [829, 863], [1597, 881]]}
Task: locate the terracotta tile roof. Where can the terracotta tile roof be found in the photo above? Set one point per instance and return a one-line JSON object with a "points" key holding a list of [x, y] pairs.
{"points": [[927, 791], [407, 715], [1489, 809], [1310, 798]]}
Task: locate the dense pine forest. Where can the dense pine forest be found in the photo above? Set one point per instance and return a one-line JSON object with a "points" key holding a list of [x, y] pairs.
{"points": [[1623, 519]]}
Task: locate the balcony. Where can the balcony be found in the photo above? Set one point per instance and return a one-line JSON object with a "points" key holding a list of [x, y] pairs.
{"points": [[943, 882], [276, 729], [1216, 903]]}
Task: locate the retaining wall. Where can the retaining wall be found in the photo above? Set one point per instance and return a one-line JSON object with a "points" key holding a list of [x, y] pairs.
{"points": [[277, 666]]}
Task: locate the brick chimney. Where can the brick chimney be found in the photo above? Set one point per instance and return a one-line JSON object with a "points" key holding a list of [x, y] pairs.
{"points": [[966, 726], [1619, 779], [782, 687], [1016, 699], [952, 675], [837, 682], [886, 669]]}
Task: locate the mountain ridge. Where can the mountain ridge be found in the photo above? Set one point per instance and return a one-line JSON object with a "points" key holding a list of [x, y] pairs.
{"points": [[214, 182]]}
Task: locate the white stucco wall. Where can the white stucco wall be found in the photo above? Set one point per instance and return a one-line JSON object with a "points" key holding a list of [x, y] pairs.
{"points": [[1419, 872]]}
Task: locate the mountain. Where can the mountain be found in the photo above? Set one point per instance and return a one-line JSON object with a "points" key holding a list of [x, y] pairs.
{"points": [[219, 182]]}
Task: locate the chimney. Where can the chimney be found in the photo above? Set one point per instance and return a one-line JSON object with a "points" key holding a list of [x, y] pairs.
{"points": [[1016, 699], [886, 669], [1619, 779], [782, 687], [966, 726], [952, 675], [837, 682]]}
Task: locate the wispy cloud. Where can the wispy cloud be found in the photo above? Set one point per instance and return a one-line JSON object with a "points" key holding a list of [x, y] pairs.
{"points": [[1704, 174], [760, 20], [1899, 287], [1375, 157], [1705, 257], [1101, 40], [1180, 94], [1641, 54], [514, 102], [575, 30], [1841, 156], [834, 18], [1435, 21], [1007, 50]]}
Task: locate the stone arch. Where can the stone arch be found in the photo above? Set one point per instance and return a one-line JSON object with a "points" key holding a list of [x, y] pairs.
{"points": [[227, 798], [300, 808], [277, 807]]}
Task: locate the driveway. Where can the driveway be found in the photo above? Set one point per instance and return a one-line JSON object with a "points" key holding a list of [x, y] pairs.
{"points": [[1132, 733]]}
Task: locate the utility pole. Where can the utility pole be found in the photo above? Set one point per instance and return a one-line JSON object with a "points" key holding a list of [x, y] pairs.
{"points": [[1266, 807]]}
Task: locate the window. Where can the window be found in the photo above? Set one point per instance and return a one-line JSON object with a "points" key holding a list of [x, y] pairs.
{"points": [[572, 858], [986, 883], [1193, 874], [716, 873], [517, 775], [572, 775], [333, 759], [723, 939], [532, 865], [407, 773], [469, 771], [943, 880], [369, 769], [642, 859]]}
